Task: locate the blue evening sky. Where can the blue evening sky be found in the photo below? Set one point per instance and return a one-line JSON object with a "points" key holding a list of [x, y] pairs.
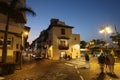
{"points": [[86, 16]]}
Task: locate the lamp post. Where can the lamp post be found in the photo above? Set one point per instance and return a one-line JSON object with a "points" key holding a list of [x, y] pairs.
{"points": [[23, 39], [105, 29]]}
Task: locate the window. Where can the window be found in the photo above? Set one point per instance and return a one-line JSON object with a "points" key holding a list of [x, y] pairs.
{"points": [[17, 46], [9, 42], [63, 44], [71, 49], [75, 38], [62, 31], [1, 41]]}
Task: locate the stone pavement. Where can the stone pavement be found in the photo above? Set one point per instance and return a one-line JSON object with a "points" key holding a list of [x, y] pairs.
{"points": [[29, 71], [44, 70], [93, 73]]}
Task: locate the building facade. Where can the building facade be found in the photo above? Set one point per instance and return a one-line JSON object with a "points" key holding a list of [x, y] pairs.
{"points": [[57, 41], [16, 35]]}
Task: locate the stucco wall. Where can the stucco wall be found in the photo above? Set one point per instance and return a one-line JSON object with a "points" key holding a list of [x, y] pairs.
{"points": [[74, 39]]}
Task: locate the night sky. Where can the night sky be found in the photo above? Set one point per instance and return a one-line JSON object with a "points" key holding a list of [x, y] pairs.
{"points": [[86, 16]]}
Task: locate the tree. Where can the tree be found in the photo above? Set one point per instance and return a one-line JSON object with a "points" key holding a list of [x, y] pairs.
{"points": [[98, 42], [116, 38], [83, 44], [10, 10]]}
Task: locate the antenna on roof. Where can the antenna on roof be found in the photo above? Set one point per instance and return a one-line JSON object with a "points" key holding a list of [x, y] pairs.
{"points": [[116, 30]]}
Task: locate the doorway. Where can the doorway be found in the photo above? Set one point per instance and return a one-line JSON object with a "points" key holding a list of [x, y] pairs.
{"points": [[62, 55]]}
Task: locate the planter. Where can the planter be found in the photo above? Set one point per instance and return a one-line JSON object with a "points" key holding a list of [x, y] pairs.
{"points": [[7, 68]]}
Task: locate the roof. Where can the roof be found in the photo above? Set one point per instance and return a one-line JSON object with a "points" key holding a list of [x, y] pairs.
{"points": [[57, 23]]}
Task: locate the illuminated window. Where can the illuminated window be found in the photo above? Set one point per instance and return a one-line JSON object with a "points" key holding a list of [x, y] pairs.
{"points": [[71, 49], [1, 41], [63, 44], [9, 42]]}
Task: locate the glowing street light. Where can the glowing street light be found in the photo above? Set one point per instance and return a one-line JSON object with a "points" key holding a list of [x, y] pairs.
{"points": [[105, 29], [24, 36], [26, 33]]}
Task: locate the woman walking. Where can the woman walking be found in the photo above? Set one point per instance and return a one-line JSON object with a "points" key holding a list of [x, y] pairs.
{"points": [[87, 60]]}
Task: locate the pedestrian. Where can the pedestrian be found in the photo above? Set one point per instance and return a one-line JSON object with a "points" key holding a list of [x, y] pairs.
{"points": [[107, 61], [65, 56], [111, 64], [87, 60], [101, 60]]}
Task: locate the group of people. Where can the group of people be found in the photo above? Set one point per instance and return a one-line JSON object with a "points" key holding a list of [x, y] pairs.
{"points": [[67, 57], [106, 61]]}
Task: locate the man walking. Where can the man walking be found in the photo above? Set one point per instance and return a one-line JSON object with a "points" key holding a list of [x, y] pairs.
{"points": [[87, 60], [101, 60]]}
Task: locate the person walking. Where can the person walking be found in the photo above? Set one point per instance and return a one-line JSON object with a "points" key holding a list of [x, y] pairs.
{"points": [[107, 61], [111, 63], [87, 60], [101, 61]]}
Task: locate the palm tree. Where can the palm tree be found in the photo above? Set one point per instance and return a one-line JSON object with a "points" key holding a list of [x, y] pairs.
{"points": [[10, 10]]}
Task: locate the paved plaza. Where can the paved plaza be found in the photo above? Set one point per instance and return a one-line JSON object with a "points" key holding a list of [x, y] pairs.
{"points": [[63, 70], [93, 73]]}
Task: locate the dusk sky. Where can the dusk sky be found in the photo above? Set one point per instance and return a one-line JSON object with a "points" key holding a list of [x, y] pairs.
{"points": [[86, 16]]}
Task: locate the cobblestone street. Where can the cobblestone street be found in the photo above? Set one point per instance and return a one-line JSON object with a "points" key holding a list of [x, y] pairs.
{"points": [[45, 70], [63, 70]]}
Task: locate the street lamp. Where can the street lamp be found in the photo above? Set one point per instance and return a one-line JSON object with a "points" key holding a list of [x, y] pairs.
{"points": [[24, 35], [105, 29]]}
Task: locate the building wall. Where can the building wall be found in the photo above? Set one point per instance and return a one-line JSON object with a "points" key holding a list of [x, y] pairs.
{"points": [[58, 44], [15, 33], [73, 41], [50, 44], [75, 45]]}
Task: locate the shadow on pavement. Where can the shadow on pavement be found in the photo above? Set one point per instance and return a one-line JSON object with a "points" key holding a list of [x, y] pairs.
{"points": [[112, 75], [101, 76]]}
